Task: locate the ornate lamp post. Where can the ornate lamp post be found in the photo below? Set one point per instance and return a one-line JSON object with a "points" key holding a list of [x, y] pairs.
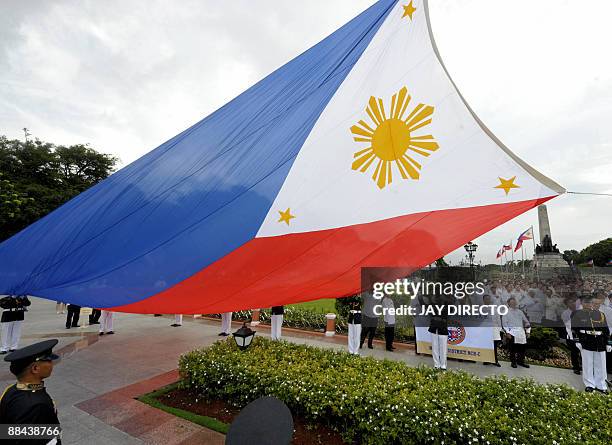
{"points": [[244, 337], [470, 248]]}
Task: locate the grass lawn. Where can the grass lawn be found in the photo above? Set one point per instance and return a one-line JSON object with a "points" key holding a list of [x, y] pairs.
{"points": [[323, 306]]}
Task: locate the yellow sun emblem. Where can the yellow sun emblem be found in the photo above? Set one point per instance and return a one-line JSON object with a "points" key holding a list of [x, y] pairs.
{"points": [[393, 141]]}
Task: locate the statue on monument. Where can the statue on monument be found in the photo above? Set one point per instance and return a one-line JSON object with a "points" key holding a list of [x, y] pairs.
{"points": [[547, 246]]}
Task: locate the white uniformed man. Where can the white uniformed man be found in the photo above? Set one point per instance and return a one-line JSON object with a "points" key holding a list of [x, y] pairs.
{"points": [[226, 324], [591, 328], [354, 328], [178, 320], [276, 322], [106, 323], [13, 309], [516, 325], [495, 326]]}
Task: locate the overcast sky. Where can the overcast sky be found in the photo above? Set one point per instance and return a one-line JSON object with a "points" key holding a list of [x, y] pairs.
{"points": [[126, 76]]}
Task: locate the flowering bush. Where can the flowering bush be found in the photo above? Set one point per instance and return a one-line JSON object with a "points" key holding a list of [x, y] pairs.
{"points": [[385, 402]]}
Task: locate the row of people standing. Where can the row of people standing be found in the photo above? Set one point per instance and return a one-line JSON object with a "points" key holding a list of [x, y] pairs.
{"points": [[276, 323]]}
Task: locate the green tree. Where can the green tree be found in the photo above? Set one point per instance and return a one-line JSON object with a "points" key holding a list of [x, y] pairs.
{"points": [[600, 252], [11, 202], [37, 177], [571, 255]]}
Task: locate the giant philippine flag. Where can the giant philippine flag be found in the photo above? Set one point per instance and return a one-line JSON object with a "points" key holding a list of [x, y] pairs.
{"points": [[359, 152]]}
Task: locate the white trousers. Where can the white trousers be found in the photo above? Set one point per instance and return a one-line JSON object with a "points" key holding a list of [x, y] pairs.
{"points": [[106, 321], [354, 338], [226, 322], [178, 319], [277, 324], [11, 333], [60, 307], [438, 350], [594, 369]]}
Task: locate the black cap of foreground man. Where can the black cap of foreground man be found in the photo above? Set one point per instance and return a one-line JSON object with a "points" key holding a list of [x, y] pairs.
{"points": [[24, 357]]}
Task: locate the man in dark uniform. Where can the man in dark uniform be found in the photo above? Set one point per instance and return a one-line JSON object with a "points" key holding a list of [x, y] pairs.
{"points": [[369, 319], [13, 309], [591, 329], [72, 319], [27, 402]]}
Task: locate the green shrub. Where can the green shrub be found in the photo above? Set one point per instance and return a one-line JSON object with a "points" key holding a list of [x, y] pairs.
{"points": [[540, 343], [343, 305], [385, 402]]}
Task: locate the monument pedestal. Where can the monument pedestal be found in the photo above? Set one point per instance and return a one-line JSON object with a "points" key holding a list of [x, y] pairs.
{"points": [[550, 265]]}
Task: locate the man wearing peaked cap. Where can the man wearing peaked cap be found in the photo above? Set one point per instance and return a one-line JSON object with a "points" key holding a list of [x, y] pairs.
{"points": [[27, 402]]}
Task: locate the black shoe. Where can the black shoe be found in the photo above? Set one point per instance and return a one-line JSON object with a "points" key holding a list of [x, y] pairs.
{"points": [[485, 363], [94, 322], [524, 365], [174, 325], [577, 371], [101, 333], [513, 365], [222, 334], [370, 347], [76, 325], [110, 333], [390, 349], [589, 389], [498, 364], [603, 391], [3, 352], [67, 327], [12, 350]]}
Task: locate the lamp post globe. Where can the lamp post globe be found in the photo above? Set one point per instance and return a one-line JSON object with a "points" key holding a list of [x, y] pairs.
{"points": [[244, 337]]}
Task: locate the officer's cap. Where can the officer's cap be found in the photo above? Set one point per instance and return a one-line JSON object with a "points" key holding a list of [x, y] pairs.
{"points": [[38, 352]]}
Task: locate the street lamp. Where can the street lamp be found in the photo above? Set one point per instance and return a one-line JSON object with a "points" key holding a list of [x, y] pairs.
{"points": [[470, 248], [244, 337]]}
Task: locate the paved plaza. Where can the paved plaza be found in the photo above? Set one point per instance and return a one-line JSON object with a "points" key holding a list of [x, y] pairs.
{"points": [[146, 348]]}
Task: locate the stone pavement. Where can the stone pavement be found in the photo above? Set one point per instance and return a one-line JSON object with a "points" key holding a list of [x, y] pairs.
{"points": [[145, 347]]}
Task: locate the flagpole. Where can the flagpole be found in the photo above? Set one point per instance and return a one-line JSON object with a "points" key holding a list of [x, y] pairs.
{"points": [[523, 258], [512, 253], [535, 264]]}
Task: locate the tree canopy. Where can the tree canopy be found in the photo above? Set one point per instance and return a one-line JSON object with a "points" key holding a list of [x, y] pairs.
{"points": [[36, 177], [600, 253]]}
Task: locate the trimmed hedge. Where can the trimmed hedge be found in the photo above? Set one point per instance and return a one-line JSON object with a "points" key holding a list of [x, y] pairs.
{"points": [[374, 401]]}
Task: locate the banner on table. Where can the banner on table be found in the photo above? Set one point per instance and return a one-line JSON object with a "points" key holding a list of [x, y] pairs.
{"points": [[465, 341]]}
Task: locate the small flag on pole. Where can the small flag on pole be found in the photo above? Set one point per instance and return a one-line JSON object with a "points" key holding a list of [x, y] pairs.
{"points": [[499, 254], [526, 235], [508, 247]]}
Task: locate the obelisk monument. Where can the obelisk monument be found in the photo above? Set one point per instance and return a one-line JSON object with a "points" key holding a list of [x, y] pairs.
{"points": [[548, 261], [544, 224]]}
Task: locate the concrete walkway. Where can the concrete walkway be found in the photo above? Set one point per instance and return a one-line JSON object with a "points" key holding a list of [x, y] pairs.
{"points": [[145, 347]]}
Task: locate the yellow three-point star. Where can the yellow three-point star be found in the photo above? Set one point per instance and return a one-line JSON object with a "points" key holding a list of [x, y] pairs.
{"points": [[285, 216], [409, 10], [507, 184]]}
